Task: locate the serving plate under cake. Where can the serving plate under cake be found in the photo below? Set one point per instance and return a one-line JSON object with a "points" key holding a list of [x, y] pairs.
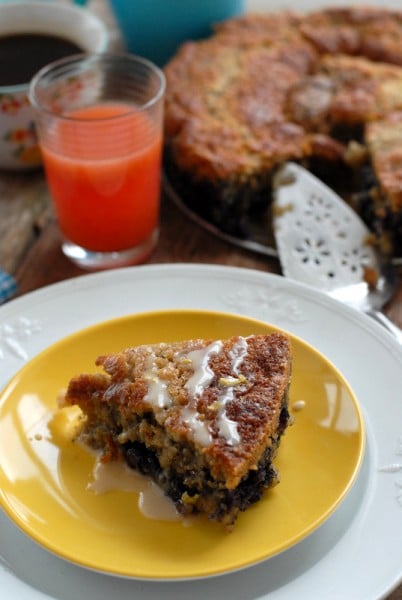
{"points": [[366, 567], [44, 483]]}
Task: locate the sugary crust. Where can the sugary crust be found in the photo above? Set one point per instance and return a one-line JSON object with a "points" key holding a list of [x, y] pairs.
{"points": [[113, 401], [225, 102], [373, 32], [268, 88], [345, 91]]}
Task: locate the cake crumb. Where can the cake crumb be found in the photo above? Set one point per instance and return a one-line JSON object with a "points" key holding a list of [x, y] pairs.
{"points": [[298, 405]]}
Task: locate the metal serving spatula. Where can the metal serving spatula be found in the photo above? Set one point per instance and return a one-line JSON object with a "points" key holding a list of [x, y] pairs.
{"points": [[321, 241]]}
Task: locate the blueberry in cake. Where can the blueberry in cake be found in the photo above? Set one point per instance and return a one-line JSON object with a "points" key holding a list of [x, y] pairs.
{"points": [[203, 418]]}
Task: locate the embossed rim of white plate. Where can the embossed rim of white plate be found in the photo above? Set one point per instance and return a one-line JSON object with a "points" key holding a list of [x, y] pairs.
{"points": [[367, 565]]}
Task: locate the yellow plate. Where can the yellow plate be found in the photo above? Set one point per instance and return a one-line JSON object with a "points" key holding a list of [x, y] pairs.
{"points": [[43, 485]]}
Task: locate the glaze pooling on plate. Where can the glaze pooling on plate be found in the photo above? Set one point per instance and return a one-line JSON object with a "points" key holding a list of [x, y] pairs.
{"points": [[44, 483]]}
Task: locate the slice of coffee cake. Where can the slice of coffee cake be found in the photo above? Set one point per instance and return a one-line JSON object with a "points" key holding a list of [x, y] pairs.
{"points": [[203, 418]]}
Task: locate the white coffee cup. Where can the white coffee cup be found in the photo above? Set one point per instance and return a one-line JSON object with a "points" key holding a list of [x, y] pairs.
{"points": [[18, 144]]}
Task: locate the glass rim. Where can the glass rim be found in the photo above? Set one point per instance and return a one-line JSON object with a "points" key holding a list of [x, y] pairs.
{"points": [[96, 57]]}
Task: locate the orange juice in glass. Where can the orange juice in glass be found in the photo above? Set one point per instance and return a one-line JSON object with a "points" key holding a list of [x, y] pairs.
{"points": [[99, 123]]}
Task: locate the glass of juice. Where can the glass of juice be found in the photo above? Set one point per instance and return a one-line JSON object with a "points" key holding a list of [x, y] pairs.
{"points": [[99, 120]]}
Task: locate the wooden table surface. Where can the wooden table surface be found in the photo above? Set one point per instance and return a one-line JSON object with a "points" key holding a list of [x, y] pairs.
{"points": [[30, 244]]}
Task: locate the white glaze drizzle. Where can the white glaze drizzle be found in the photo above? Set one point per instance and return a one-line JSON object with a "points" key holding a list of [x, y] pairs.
{"points": [[199, 381], [195, 385], [157, 394], [118, 476], [199, 429], [238, 352], [203, 374], [227, 427], [115, 475], [153, 504]]}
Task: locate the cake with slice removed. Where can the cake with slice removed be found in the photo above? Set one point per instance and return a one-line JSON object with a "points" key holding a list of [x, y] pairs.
{"points": [[319, 88], [203, 418]]}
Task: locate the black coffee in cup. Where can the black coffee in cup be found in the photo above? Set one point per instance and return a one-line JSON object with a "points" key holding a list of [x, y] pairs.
{"points": [[23, 54]]}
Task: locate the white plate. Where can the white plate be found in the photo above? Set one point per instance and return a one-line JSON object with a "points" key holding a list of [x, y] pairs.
{"points": [[355, 555]]}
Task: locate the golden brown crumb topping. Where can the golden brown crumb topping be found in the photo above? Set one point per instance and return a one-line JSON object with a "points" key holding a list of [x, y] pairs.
{"points": [[373, 32], [226, 98], [222, 398], [268, 88]]}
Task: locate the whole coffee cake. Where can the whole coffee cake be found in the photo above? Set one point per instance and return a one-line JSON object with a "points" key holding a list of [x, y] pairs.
{"points": [[203, 418], [320, 88]]}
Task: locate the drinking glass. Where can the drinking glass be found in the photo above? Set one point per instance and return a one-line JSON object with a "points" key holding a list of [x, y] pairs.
{"points": [[99, 120]]}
